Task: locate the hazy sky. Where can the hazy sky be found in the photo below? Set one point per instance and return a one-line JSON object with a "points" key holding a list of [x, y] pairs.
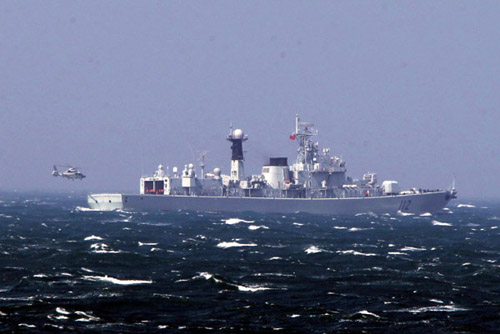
{"points": [[407, 89]]}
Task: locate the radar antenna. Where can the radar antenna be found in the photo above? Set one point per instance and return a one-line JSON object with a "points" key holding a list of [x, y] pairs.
{"points": [[201, 159]]}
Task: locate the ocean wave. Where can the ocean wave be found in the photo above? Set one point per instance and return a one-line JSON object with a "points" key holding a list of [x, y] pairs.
{"points": [[240, 287], [40, 276], [356, 229], [465, 206], [147, 243], [229, 244], [61, 310], [412, 249], [115, 280], [103, 248], [353, 252], [85, 209], [313, 250], [404, 214], [92, 237], [232, 221], [86, 317], [438, 223], [441, 308], [396, 253], [256, 227], [367, 313]]}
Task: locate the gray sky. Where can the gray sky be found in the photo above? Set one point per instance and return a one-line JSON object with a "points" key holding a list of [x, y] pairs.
{"points": [[407, 89]]}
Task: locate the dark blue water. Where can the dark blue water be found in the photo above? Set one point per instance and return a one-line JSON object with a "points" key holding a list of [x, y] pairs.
{"points": [[66, 269]]}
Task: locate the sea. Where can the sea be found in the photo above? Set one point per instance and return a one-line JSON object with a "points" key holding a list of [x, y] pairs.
{"points": [[68, 269]]}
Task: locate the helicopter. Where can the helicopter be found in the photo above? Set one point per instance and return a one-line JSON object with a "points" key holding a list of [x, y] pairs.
{"points": [[71, 173]]}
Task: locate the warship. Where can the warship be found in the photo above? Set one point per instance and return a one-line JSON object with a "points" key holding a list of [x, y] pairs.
{"points": [[315, 183]]}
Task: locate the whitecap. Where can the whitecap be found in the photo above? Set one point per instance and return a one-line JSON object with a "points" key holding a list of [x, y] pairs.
{"points": [[114, 280], [61, 310], [356, 229], [427, 214], [22, 324], [340, 227], [147, 243], [400, 213], [465, 206], [232, 221], [396, 253], [40, 275], [84, 209], [229, 244], [438, 223], [275, 258], [313, 250], [298, 224], [87, 317], [92, 237], [87, 270], [256, 227], [206, 275], [364, 213], [365, 312], [437, 301], [353, 252], [244, 288], [412, 249], [102, 248], [443, 308]]}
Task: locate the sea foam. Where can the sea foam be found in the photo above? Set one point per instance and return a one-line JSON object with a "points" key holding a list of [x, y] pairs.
{"points": [[114, 280]]}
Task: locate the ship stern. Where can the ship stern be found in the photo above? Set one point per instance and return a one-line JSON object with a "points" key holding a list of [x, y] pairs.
{"points": [[105, 202]]}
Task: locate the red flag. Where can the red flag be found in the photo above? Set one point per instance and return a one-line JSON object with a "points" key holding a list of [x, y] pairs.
{"points": [[292, 136]]}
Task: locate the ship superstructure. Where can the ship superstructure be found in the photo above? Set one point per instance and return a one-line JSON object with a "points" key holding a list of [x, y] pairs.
{"points": [[316, 182]]}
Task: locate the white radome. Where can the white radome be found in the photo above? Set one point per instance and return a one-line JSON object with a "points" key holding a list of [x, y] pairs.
{"points": [[238, 134]]}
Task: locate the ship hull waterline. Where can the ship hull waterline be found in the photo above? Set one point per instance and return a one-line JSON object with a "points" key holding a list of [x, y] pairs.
{"points": [[418, 203]]}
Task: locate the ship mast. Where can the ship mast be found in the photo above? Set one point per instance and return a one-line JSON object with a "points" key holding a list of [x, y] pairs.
{"points": [[303, 133], [237, 137]]}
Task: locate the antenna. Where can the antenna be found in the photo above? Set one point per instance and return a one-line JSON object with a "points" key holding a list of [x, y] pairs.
{"points": [[201, 159]]}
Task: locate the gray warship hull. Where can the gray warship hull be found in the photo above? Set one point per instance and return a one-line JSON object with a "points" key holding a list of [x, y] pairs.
{"points": [[418, 203], [316, 183]]}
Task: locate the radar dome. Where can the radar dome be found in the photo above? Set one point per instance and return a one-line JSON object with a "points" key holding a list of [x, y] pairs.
{"points": [[238, 134], [217, 171]]}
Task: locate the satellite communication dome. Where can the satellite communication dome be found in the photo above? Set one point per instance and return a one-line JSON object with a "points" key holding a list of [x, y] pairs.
{"points": [[238, 134], [190, 166]]}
